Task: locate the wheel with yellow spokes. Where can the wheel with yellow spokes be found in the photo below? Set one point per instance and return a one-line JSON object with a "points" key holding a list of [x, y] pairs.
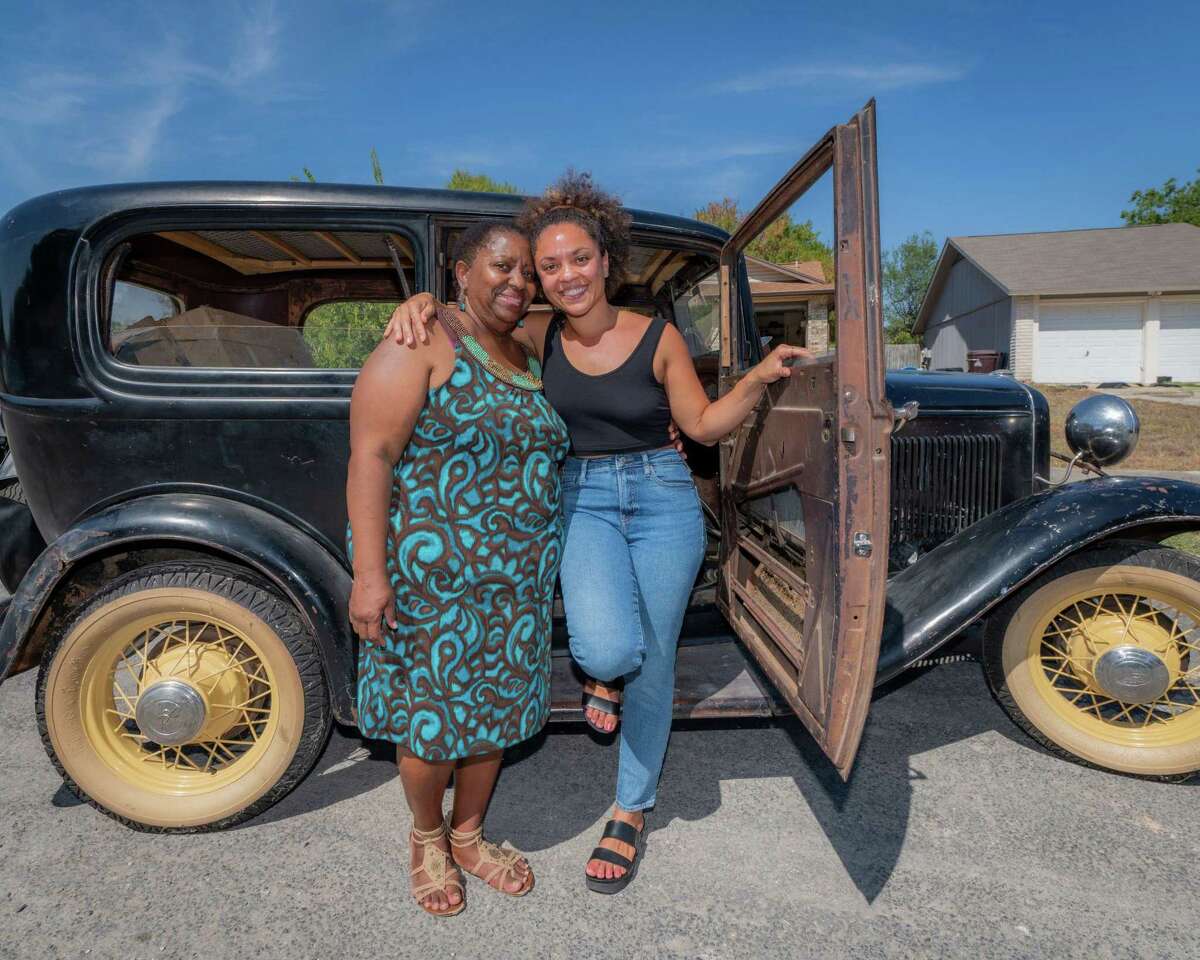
{"points": [[1099, 660], [183, 697]]}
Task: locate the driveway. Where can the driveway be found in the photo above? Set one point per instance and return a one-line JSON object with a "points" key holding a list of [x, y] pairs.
{"points": [[1185, 396], [955, 838]]}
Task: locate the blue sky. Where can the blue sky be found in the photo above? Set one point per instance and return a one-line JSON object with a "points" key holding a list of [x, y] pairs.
{"points": [[993, 117]]}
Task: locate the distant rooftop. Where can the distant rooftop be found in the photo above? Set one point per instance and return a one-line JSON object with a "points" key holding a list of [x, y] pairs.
{"points": [[1162, 258], [1113, 260]]}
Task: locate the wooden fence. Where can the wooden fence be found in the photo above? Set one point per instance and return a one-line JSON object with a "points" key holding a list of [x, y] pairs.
{"points": [[897, 355]]}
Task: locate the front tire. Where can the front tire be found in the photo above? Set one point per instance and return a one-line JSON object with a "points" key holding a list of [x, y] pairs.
{"points": [[183, 697], [1099, 660]]}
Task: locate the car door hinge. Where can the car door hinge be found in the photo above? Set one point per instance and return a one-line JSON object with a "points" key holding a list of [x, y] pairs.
{"points": [[862, 544], [849, 437]]}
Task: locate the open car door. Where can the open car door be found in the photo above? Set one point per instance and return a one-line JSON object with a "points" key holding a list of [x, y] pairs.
{"points": [[804, 481]]}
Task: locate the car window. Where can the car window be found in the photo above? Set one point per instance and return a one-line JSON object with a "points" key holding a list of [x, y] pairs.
{"points": [[255, 298], [133, 302], [341, 335], [698, 316], [789, 267]]}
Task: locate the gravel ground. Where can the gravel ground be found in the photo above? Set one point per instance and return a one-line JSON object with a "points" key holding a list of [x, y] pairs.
{"points": [[955, 838]]}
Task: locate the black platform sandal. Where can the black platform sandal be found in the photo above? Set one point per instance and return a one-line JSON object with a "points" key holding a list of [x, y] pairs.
{"points": [[625, 833], [593, 701]]}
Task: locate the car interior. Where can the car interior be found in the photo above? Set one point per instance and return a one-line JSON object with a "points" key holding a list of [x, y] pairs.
{"points": [[304, 299]]}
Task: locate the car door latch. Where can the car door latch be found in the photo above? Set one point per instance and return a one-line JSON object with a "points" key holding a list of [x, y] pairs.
{"points": [[862, 543]]}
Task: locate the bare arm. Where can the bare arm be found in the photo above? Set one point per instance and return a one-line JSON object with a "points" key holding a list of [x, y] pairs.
{"points": [[410, 323], [707, 421], [387, 400], [532, 335]]}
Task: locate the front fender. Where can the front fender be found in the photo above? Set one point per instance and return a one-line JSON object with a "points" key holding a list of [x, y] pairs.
{"points": [[955, 584], [304, 571]]}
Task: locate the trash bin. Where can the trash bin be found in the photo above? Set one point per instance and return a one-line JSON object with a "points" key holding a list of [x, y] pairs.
{"points": [[984, 361]]}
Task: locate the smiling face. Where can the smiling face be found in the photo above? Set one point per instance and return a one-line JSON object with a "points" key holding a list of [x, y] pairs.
{"points": [[500, 281], [572, 268]]}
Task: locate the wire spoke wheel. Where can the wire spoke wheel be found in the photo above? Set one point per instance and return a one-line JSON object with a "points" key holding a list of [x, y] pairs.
{"points": [[183, 697], [1128, 663], [199, 685], [1099, 659]]}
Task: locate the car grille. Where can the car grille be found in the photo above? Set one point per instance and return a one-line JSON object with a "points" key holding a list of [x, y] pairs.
{"points": [[943, 484]]}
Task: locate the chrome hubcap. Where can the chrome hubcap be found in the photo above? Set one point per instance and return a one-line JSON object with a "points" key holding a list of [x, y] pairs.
{"points": [[170, 712], [1132, 674]]}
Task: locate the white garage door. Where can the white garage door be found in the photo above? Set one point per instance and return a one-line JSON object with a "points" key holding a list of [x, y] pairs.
{"points": [[1179, 340], [1089, 343]]}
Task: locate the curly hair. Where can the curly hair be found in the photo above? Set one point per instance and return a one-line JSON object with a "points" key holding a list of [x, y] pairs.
{"points": [[575, 198]]}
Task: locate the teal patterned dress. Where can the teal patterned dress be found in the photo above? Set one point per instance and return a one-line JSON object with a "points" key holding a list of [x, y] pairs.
{"points": [[474, 544]]}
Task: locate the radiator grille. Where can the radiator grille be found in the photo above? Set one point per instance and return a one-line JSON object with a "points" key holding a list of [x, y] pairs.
{"points": [[943, 484]]}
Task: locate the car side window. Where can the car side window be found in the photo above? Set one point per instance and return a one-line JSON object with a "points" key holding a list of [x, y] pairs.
{"points": [[790, 270], [254, 298], [134, 302], [342, 334], [698, 316]]}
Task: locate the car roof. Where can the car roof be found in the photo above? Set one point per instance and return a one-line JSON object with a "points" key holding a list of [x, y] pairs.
{"points": [[81, 205]]}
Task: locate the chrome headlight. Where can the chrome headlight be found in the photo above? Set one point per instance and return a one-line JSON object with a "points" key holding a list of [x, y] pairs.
{"points": [[1103, 429]]}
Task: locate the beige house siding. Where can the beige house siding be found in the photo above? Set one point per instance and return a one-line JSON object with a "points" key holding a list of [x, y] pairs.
{"points": [[1024, 336], [817, 333]]}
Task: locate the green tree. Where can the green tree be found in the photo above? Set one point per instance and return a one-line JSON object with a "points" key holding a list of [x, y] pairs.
{"points": [[342, 335], [1170, 203], [783, 241], [907, 271], [479, 182]]}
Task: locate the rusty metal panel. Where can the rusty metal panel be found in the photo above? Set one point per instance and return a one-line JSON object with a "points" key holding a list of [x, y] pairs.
{"points": [[865, 426], [805, 479]]}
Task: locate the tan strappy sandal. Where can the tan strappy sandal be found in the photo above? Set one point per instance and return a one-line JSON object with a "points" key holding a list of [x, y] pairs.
{"points": [[441, 870], [493, 860]]}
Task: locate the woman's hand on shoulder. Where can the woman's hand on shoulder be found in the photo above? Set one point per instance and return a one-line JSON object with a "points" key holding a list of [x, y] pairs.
{"points": [[411, 320], [776, 365]]}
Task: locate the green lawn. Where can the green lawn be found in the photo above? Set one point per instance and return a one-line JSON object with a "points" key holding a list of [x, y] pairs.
{"points": [[1169, 438], [1186, 541]]}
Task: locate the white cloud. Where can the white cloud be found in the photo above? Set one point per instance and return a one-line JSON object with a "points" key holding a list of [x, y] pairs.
{"points": [[257, 46], [883, 76], [45, 98], [114, 121], [134, 136], [690, 155]]}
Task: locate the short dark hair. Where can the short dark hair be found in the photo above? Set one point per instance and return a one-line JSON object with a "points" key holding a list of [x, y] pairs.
{"points": [[478, 235], [575, 198]]}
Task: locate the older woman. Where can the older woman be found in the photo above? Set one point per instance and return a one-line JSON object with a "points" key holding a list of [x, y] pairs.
{"points": [[634, 531], [455, 536]]}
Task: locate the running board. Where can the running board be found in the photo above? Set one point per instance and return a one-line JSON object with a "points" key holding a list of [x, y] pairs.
{"points": [[712, 679]]}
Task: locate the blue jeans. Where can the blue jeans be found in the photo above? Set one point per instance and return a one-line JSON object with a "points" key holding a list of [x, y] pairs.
{"points": [[634, 544]]}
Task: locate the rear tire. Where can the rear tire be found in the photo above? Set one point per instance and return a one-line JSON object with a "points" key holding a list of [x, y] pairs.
{"points": [[12, 490], [1043, 648], [212, 662]]}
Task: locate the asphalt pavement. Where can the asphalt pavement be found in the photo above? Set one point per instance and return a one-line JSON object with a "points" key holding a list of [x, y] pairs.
{"points": [[956, 837]]}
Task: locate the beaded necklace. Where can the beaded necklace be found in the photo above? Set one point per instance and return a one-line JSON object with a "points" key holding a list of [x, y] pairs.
{"points": [[501, 371]]}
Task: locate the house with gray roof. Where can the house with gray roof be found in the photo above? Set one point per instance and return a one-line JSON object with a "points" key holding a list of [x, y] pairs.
{"points": [[792, 301], [1076, 306]]}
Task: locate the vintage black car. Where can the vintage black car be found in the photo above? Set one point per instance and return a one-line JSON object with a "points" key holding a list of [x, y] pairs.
{"points": [[176, 366]]}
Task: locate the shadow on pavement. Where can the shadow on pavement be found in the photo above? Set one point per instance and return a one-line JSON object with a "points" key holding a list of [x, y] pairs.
{"points": [[554, 788], [865, 820], [348, 767]]}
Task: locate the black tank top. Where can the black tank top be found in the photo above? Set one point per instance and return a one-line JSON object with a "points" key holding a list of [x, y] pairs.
{"points": [[622, 411]]}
